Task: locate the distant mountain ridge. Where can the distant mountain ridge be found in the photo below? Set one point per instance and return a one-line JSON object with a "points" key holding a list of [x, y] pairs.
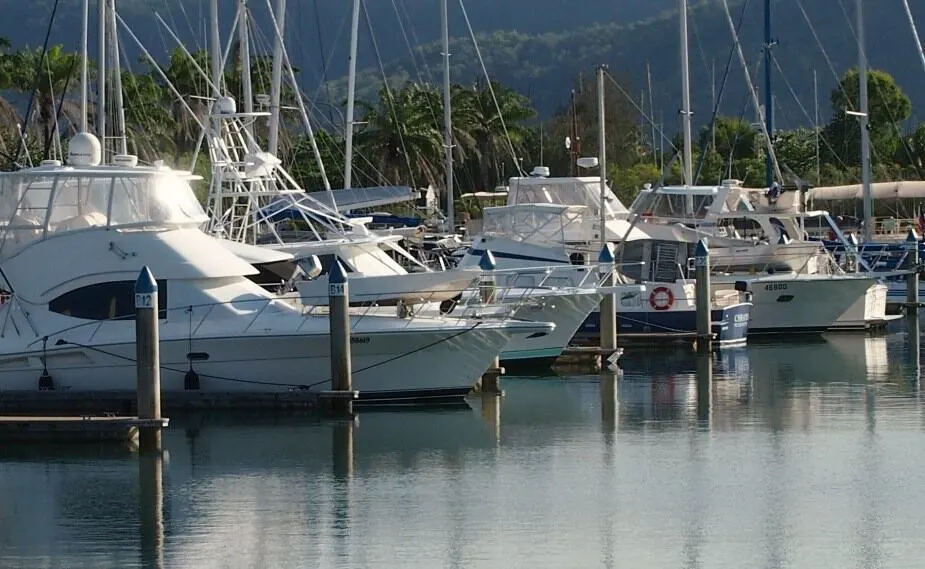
{"points": [[540, 46]]}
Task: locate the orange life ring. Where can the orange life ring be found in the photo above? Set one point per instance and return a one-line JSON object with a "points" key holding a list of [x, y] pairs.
{"points": [[661, 298]]}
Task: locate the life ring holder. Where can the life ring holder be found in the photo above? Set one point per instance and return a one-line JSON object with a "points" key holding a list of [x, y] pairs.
{"points": [[661, 298]]}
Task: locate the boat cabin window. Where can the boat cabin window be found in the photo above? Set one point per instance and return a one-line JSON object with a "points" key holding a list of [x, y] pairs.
{"points": [[105, 301], [35, 204], [741, 228], [677, 205]]}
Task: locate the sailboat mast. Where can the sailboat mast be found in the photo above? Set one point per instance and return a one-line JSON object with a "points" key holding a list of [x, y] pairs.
{"points": [[865, 121], [101, 80], [351, 95], [915, 32], [216, 49], [816, 127], [277, 80], [119, 128], [244, 52], [447, 118], [602, 153], [84, 65], [686, 99], [768, 94]]}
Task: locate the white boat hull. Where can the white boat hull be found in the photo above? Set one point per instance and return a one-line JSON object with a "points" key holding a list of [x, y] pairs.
{"points": [[567, 311], [867, 312], [392, 361], [802, 304]]}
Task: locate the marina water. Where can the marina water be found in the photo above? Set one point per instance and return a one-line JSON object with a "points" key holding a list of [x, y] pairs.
{"points": [[801, 454]]}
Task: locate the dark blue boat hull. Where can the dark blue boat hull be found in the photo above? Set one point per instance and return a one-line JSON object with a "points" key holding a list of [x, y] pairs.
{"points": [[730, 324]]}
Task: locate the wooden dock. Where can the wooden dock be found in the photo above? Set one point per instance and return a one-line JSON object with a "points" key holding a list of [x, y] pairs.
{"points": [[74, 429]]}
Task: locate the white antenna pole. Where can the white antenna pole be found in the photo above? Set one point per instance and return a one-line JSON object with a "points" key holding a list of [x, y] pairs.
{"points": [[686, 99], [117, 78], [351, 95], [84, 65], [447, 118], [277, 80], [244, 51], [865, 121], [101, 81]]}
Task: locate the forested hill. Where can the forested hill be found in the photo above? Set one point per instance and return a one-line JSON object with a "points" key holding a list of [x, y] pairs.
{"points": [[539, 46], [811, 35]]}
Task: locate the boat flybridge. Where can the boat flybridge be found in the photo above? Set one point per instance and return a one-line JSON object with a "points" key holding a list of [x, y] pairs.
{"points": [[74, 238]]}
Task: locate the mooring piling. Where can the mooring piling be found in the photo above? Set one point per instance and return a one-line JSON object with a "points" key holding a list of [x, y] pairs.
{"points": [[342, 394], [608, 308], [490, 383], [704, 297], [912, 279], [148, 360]]}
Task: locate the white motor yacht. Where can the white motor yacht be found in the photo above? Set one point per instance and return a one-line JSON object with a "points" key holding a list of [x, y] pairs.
{"points": [[72, 242]]}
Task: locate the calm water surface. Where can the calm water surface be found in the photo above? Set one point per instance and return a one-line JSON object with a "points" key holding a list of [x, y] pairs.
{"points": [[800, 455]]}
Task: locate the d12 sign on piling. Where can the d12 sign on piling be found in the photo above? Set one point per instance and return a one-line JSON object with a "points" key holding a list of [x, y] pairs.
{"points": [[147, 358]]}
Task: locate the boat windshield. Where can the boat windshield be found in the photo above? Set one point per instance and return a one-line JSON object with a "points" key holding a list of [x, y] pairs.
{"points": [[564, 191], [35, 205], [675, 205]]}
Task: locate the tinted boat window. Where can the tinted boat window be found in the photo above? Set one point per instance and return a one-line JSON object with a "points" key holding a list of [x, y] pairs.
{"points": [[105, 301]]}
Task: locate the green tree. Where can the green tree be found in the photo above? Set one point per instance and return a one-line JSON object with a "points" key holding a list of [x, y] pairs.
{"points": [[399, 137], [626, 182], [48, 76], [491, 131], [888, 106]]}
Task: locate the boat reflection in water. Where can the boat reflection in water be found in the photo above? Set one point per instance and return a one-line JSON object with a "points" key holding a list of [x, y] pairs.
{"points": [[696, 458], [762, 384]]}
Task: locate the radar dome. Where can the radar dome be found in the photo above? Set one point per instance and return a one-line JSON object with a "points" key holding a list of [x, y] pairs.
{"points": [[84, 149], [227, 106], [540, 172]]}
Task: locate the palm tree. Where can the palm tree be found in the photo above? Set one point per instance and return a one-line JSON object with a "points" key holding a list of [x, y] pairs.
{"points": [[494, 131], [47, 76], [150, 124], [399, 137]]}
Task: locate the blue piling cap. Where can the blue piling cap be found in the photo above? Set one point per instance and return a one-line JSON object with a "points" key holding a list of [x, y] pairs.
{"points": [[606, 256], [912, 236], [702, 250], [337, 275], [145, 283], [487, 262]]}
